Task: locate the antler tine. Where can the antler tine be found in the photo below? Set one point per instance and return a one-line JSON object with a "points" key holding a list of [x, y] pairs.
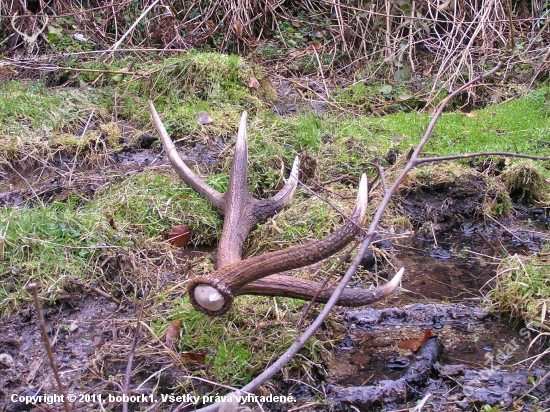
{"points": [[269, 207], [238, 203], [184, 172], [214, 294], [289, 287]]}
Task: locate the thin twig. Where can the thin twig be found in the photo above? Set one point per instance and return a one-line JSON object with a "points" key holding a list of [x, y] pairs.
{"points": [[382, 175], [93, 289], [126, 385], [495, 250], [418, 408], [79, 147], [34, 289]]}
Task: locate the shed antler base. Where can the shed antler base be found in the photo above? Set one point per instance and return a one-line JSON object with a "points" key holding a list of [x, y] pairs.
{"points": [[214, 294]]}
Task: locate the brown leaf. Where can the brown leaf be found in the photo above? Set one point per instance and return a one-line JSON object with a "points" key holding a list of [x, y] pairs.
{"points": [[254, 83], [238, 29], [111, 220], [414, 344], [296, 23], [98, 341], [4, 71], [172, 333], [316, 45], [205, 118], [279, 186], [179, 235], [472, 115], [194, 356]]}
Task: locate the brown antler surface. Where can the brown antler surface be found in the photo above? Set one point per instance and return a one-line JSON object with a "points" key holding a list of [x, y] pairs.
{"points": [[240, 209], [214, 294], [289, 287]]}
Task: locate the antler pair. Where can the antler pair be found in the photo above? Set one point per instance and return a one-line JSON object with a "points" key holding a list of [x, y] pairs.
{"points": [[214, 294]]}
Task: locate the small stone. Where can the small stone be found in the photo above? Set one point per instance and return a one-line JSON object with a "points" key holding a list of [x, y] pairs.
{"points": [[6, 360]]}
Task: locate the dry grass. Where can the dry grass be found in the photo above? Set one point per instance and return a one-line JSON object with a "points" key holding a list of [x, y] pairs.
{"points": [[405, 41]]}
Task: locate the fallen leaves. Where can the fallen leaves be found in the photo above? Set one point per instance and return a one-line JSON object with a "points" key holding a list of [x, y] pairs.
{"points": [[172, 333], [179, 235], [194, 356], [414, 344]]}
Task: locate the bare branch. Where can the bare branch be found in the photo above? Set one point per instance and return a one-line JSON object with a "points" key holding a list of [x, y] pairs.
{"points": [[126, 386], [34, 289]]}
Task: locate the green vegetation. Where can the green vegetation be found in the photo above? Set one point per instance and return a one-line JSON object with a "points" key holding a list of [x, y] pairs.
{"points": [[523, 290], [254, 333]]}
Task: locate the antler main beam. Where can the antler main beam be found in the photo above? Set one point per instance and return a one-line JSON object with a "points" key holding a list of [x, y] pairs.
{"points": [[214, 294]]}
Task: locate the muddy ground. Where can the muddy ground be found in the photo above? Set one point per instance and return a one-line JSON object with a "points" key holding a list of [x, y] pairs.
{"points": [[483, 361]]}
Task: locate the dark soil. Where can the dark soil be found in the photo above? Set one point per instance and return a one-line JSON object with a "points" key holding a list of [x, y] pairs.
{"points": [[446, 205]]}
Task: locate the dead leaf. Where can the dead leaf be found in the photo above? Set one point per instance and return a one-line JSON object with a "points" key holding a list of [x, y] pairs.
{"points": [[179, 235], [111, 220], [172, 333], [4, 71], [254, 83], [316, 45], [471, 115], [279, 186], [205, 118], [414, 344], [296, 23], [194, 356], [238, 29], [98, 341]]}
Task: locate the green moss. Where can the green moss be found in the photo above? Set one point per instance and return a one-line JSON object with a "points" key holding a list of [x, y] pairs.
{"points": [[527, 178], [522, 290]]}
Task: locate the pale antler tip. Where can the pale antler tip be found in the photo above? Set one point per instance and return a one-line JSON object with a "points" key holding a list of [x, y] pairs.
{"points": [[295, 168], [392, 284]]}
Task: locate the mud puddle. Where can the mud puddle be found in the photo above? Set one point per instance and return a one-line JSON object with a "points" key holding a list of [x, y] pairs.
{"points": [[55, 179], [440, 292]]}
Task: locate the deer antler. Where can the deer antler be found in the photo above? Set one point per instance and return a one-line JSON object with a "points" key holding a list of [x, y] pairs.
{"points": [[214, 294]]}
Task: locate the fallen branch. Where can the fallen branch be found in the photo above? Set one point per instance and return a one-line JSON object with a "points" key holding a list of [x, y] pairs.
{"points": [[399, 390]]}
